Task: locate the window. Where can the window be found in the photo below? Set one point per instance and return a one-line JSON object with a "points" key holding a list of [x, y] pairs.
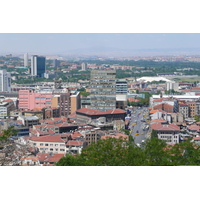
{"points": [[41, 144], [46, 149], [41, 149], [62, 149], [34, 143], [56, 145], [46, 144], [56, 149], [51, 149], [62, 145]]}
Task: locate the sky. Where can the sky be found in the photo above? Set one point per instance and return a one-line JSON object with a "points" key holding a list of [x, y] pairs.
{"points": [[61, 43]]}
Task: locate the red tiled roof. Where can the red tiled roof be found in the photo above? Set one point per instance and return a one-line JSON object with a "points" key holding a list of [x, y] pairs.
{"points": [[196, 138], [165, 127], [164, 104], [196, 88], [48, 138], [76, 134], [194, 127], [74, 142], [49, 158], [98, 112], [65, 124]]}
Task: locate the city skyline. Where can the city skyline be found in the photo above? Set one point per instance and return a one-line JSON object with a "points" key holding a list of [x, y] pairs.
{"points": [[110, 44]]}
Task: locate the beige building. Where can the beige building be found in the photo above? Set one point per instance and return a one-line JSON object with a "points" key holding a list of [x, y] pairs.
{"points": [[118, 125], [49, 144], [192, 108], [75, 102]]}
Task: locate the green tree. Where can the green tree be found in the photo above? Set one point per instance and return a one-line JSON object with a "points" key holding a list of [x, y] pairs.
{"points": [[154, 134], [155, 153], [197, 118]]}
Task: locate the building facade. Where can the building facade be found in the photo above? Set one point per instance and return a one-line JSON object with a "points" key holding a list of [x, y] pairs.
{"points": [[26, 60], [38, 66], [103, 89], [5, 81], [121, 87]]}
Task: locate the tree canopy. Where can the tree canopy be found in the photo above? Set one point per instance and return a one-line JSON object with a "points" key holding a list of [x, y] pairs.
{"points": [[118, 152]]}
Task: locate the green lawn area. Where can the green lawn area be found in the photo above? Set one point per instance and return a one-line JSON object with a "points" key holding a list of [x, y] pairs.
{"points": [[187, 79]]}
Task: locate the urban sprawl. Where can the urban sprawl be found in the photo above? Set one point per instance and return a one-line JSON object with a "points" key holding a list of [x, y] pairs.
{"points": [[51, 107]]}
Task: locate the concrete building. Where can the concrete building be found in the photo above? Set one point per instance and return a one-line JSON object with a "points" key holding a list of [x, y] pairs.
{"points": [[6, 106], [192, 108], [84, 66], [184, 109], [28, 121], [26, 60], [121, 87], [167, 132], [86, 115], [56, 63], [172, 86], [49, 144], [5, 81], [30, 99], [103, 89], [75, 102], [38, 66]]}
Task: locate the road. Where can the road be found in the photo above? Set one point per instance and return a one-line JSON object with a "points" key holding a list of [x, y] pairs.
{"points": [[136, 125]]}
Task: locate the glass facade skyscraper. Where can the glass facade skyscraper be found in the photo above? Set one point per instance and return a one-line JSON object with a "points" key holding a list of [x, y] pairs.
{"points": [[38, 66], [103, 89]]}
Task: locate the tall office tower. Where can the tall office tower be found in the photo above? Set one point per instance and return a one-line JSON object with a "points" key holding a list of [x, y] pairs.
{"points": [[26, 60], [5, 81], [103, 89], [38, 67], [84, 66], [56, 63]]}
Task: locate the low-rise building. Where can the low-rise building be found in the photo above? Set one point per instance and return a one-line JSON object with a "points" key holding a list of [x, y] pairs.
{"points": [[184, 109], [49, 144], [167, 132]]}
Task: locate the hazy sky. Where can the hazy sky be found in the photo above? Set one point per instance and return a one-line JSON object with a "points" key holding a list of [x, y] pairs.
{"points": [[65, 42]]}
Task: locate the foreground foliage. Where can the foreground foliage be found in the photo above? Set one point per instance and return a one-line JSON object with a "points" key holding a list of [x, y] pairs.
{"points": [[117, 152]]}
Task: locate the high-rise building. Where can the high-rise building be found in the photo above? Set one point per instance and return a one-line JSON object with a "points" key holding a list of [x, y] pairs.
{"points": [[26, 60], [56, 63], [121, 87], [103, 89], [38, 66], [84, 66], [5, 81]]}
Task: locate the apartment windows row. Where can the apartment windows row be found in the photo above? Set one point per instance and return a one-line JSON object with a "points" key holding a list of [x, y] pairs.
{"points": [[51, 145], [47, 149], [42, 98]]}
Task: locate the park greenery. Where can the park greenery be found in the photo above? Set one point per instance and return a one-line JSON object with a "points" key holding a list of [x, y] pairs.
{"points": [[118, 152], [142, 101]]}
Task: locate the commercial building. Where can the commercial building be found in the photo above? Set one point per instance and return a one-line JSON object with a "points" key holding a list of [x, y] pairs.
{"points": [[38, 66], [56, 63], [84, 66], [103, 89], [5, 81], [172, 86], [30, 99], [121, 87], [26, 60]]}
